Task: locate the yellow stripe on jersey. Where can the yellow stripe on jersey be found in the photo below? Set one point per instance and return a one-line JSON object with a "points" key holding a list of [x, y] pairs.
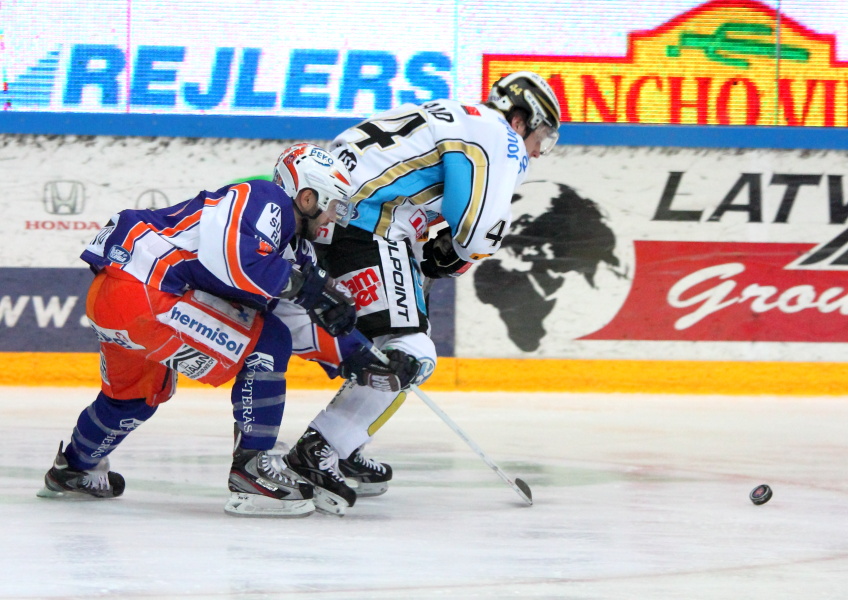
{"points": [[388, 177], [422, 197], [480, 172], [395, 172]]}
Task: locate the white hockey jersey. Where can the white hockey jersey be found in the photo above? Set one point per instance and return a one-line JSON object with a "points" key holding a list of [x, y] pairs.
{"points": [[414, 164]]}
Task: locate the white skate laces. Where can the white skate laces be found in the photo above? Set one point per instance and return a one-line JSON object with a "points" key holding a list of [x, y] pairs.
{"points": [[274, 467], [330, 462], [368, 462], [98, 477]]}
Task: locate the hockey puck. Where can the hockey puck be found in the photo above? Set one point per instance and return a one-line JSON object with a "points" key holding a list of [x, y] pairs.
{"points": [[760, 494]]}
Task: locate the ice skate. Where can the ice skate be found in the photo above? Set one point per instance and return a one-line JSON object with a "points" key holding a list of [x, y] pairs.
{"points": [[314, 459], [367, 476], [262, 486], [61, 481]]}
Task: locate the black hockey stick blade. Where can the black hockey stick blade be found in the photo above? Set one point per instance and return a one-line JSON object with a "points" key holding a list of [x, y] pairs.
{"points": [[522, 485]]}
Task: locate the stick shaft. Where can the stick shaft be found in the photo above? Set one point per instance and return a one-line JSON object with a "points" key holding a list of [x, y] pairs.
{"points": [[520, 488], [471, 443]]}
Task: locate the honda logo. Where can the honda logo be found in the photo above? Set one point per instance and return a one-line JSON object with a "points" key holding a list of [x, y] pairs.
{"points": [[152, 200], [64, 197]]}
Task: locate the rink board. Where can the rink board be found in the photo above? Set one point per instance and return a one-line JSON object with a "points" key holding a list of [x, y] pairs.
{"points": [[509, 375]]}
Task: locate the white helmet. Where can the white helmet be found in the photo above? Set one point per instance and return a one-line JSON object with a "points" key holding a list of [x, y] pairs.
{"points": [[530, 92], [305, 166]]}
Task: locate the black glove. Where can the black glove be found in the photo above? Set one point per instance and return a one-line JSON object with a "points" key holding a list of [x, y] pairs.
{"points": [[366, 369], [328, 303], [440, 259]]}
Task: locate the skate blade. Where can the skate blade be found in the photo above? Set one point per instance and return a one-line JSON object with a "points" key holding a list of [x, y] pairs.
{"points": [[254, 505], [329, 503], [367, 490], [46, 492]]}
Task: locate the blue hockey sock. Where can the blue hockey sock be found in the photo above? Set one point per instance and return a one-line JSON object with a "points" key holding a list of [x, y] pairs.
{"points": [[259, 392], [101, 427]]}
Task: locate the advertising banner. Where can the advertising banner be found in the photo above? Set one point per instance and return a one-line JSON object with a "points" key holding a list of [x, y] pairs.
{"points": [[43, 310], [641, 253], [224, 58], [613, 252], [724, 62], [677, 61]]}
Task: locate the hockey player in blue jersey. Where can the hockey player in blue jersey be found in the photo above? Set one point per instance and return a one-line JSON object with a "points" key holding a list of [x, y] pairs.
{"points": [[415, 169], [191, 289]]}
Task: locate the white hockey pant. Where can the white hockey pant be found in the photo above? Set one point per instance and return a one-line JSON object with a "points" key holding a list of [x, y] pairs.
{"points": [[357, 412]]}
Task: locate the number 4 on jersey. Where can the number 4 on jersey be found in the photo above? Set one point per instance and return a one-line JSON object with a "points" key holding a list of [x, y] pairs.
{"points": [[496, 236], [376, 134]]}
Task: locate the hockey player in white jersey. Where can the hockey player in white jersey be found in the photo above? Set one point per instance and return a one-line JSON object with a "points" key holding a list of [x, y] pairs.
{"points": [[413, 168]]}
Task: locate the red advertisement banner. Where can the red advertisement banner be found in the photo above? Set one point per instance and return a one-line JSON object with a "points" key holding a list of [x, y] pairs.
{"points": [[729, 291]]}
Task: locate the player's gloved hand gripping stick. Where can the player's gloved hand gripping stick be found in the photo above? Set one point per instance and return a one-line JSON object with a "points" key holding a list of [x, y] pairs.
{"points": [[440, 258], [520, 487], [328, 303], [365, 368]]}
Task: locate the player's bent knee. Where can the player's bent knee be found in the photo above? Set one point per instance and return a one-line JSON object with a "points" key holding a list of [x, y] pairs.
{"points": [[421, 347]]}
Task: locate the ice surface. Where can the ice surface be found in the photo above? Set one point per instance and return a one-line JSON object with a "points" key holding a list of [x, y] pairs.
{"points": [[635, 497]]}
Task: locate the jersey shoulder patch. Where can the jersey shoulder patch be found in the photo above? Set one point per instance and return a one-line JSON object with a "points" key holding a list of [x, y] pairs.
{"points": [[270, 223]]}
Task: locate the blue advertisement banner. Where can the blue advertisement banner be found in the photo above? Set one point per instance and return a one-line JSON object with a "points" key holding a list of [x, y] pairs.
{"points": [[43, 310]]}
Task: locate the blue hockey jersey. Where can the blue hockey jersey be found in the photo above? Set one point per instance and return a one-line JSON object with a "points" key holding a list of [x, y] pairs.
{"points": [[234, 243]]}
